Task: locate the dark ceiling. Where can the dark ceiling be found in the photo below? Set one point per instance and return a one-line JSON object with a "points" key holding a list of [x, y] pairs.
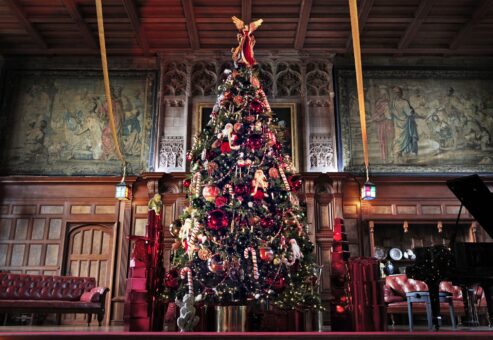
{"points": [[145, 27]]}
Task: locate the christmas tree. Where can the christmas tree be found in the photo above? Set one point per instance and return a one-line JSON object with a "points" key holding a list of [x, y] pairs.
{"points": [[243, 236]]}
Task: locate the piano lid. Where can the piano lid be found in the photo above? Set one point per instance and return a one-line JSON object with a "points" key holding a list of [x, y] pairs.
{"points": [[476, 197]]}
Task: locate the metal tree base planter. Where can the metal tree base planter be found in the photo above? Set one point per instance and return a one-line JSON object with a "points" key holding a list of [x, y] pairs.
{"points": [[231, 318]]}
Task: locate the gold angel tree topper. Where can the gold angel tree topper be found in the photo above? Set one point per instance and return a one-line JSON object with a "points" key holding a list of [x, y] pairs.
{"points": [[243, 53]]}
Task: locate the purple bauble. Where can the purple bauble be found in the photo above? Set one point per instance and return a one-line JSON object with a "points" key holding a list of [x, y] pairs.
{"points": [[240, 190], [254, 142], [256, 107], [267, 223]]}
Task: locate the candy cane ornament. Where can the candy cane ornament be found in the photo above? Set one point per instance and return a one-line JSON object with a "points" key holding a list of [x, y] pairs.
{"points": [[198, 179], [229, 188], [254, 260], [284, 179], [188, 272], [192, 238]]}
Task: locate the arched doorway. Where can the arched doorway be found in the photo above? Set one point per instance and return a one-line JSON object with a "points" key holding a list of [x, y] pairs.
{"points": [[89, 254]]}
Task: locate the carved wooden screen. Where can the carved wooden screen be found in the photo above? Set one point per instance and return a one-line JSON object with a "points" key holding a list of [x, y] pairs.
{"points": [[89, 255]]}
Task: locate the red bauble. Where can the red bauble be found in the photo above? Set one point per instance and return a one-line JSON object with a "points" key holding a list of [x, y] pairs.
{"points": [[267, 223], [256, 107], [221, 201], [273, 173], [225, 147], [238, 127], [295, 182], [210, 154], [217, 220], [186, 183], [171, 279], [249, 119], [217, 264], [238, 100], [271, 138], [253, 220], [210, 192], [240, 190], [254, 142], [266, 254]]}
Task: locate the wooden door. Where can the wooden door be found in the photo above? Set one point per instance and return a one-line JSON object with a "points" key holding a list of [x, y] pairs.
{"points": [[89, 255]]}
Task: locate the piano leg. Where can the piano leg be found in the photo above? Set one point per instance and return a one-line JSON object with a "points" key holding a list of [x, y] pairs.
{"points": [[488, 294], [468, 296], [435, 303]]}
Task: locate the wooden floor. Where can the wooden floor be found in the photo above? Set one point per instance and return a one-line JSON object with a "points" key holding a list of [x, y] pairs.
{"points": [[118, 332]]}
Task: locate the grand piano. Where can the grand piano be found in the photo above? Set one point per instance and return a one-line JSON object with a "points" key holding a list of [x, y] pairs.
{"points": [[465, 264]]}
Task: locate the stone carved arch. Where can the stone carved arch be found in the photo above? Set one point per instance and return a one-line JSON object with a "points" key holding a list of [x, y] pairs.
{"points": [[89, 248], [204, 79], [323, 187], [169, 188], [317, 79], [288, 79], [175, 79]]}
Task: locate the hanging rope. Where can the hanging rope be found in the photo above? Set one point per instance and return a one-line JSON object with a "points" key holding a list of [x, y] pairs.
{"points": [[111, 116], [353, 10]]}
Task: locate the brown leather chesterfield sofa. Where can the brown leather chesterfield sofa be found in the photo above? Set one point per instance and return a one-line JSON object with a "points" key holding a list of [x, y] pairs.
{"points": [[52, 294]]}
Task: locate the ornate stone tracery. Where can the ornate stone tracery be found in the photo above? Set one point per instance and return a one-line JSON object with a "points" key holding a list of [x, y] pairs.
{"points": [[321, 152], [175, 79], [191, 81], [317, 78], [204, 79], [171, 152], [288, 79]]}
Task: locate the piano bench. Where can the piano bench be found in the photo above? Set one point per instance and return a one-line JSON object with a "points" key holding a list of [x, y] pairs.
{"points": [[424, 298]]}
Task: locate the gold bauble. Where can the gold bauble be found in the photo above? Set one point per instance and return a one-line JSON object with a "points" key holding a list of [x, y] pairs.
{"points": [[273, 173], [217, 264], [204, 254], [290, 220], [253, 220], [276, 261]]}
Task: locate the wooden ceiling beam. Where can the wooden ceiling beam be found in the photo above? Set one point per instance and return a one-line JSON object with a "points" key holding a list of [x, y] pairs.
{"points": [[132, 14], [246, 10], [305, 9], [191, 24], [419, 16], [21, 16], [79, 21], [481, 51], [480, 12], [365, 8]]}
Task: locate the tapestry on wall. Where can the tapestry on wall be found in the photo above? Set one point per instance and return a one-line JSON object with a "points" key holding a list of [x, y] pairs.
{"points": [[56, 123], [418, 120]]}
